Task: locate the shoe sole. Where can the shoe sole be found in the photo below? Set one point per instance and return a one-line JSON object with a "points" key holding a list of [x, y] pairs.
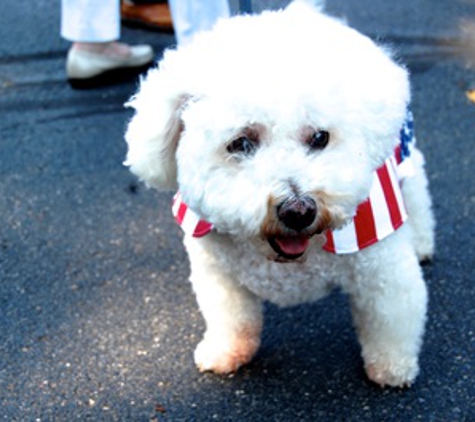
{"points": [[110, 77]]}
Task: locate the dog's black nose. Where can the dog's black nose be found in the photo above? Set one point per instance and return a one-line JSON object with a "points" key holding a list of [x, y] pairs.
{"points": [[297, 213]]}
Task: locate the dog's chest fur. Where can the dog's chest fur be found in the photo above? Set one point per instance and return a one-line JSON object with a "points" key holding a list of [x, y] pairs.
{"points": [[284, 284]]}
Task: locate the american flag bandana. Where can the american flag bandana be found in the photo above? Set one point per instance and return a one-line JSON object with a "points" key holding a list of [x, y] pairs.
{"points": [[375, 219]]}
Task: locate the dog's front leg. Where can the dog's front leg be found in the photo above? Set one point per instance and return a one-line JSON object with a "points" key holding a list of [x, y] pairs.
{"points": [[389, 301], [233, 315]]}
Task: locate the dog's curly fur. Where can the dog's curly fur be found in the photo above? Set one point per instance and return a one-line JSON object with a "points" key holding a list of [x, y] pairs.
{"points": [[230, 121]]}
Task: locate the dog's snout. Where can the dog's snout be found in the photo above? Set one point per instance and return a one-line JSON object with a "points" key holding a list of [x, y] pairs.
{"points": [[297, 213]]}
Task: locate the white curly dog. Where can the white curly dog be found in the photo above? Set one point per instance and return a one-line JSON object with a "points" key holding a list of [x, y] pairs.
{"points": [[287, 136]]}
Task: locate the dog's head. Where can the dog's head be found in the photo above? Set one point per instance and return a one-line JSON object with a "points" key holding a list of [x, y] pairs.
{"points": [[271, 126]]}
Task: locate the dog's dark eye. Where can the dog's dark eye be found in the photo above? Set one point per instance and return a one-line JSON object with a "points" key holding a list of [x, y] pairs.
{"points": [[242, 145], [319, 140]]}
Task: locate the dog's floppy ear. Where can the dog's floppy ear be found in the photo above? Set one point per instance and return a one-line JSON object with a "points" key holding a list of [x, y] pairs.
{"points": [[154, 131]]}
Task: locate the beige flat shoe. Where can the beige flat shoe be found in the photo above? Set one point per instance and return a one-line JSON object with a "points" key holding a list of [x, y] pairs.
{"points": [[87, 69]]}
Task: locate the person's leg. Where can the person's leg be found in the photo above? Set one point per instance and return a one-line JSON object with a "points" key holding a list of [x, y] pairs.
{"points": [[94, 29], [191, 17], [90, 21]]}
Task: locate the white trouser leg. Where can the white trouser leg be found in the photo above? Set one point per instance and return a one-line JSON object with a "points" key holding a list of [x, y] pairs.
{"points": [[191, 16], [90, 20]]}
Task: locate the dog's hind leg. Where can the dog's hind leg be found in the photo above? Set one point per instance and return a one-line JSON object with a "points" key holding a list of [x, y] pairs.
{"points": [[419, 207], [233, 315]]}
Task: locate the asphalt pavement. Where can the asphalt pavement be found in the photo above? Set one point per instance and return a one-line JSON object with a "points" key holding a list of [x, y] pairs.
{"points": [[97, 319]]}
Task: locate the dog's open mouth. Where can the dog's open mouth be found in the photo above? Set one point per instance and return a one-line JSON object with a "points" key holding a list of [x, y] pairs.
{"points": [[290, 247]]}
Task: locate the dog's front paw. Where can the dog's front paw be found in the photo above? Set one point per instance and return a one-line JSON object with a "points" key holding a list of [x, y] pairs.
{"points": [[224, 355], [394, 374]]}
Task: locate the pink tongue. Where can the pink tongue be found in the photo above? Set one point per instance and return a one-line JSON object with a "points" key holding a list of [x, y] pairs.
{"points": [[292, 245]]}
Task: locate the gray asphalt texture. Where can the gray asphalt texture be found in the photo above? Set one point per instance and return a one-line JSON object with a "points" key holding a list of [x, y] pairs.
{"points": [[97, 319]]}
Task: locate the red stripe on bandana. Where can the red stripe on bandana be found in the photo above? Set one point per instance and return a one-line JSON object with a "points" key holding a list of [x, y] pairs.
{"points": [[365, 227], [330, 244], [202, 228], [398, 154], [180, 215]]}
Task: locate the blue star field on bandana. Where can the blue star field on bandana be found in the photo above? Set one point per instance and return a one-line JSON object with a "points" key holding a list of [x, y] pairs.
{"points": [[407, 135]]}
